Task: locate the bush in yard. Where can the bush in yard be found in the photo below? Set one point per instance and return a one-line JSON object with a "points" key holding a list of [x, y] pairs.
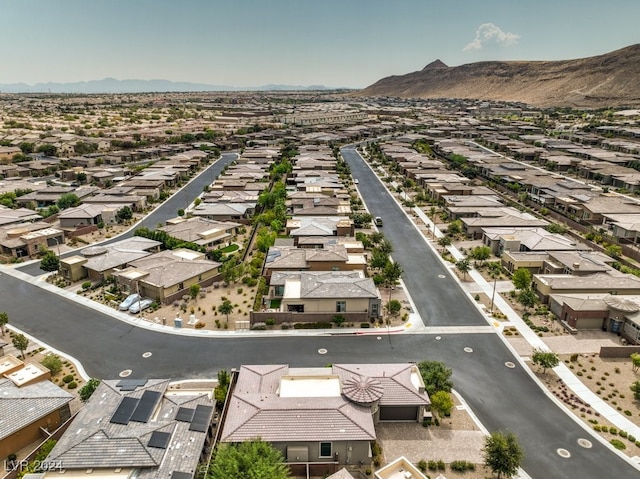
{"points": [[53, 363], [618, 444], [422, 465], [67, 379], [72, 385]]}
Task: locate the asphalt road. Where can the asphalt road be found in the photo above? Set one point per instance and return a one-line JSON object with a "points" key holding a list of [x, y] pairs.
{"points": [[167, 210], [503, 398]]}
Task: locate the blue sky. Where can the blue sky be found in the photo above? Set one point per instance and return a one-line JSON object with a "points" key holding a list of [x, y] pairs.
{"points": [[339, 43]]}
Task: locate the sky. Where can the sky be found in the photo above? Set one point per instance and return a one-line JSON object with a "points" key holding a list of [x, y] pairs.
{"points": [[335, 43]]}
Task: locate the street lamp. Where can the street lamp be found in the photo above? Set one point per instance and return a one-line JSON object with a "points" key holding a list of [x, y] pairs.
{"points": [[493, 295]]}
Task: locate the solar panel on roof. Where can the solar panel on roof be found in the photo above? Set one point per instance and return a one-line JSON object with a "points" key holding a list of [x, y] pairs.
{"points": [[124, 411], [181, 475], [201, 418], [130, 384], [146, 405], [185, 414], [159, 439]]}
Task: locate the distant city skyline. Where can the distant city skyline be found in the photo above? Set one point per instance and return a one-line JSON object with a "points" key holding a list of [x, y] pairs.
{"points": [[335, 43]]}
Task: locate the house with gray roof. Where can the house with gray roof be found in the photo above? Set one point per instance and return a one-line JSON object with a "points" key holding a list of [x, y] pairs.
{"points": [[325, 292], [25, 410], [136, 428], [322, 415], [201, 231]]}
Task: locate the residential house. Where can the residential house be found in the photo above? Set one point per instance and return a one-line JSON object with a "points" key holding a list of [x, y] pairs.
{"points": [[326, 292], [612, 282], [99, 262], [505, 217], [136, 428], [299, 226], [25, 240], [28, 407], [240, 212], [10, 216], [201, 231], [84, 215], [8, 152], [324, 415], [333, 257], [167, 276]]}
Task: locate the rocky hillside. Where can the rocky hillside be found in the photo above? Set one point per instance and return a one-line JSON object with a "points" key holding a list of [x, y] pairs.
{"points": [[610, 80]]}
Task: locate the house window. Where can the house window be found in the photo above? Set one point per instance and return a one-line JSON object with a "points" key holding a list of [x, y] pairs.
{"points": [[325, 449], [181, 286], [341, 306], [279, 290]]}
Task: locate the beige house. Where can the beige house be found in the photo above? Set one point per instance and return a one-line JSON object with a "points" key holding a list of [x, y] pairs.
{"points": [[324, 416], [201, 231], [332, 257], [612, 282], [28, 406], [168, 275], [326, 292]]}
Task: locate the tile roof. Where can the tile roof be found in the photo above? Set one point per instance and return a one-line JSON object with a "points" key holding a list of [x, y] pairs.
{"points": [[93, 442], [21, 406]]}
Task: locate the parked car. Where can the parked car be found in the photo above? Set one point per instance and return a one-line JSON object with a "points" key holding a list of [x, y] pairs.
{"points": [[378, 221], [126, 304], [138, 306], [356, 181]]}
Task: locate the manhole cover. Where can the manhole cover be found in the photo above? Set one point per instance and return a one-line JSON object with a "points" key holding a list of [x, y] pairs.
{"points": [[147, 354], [585, 443], [441, 276], [322, 351], [564, 453], [509, 364], [125, 373], [438, 338], [468, 350]]}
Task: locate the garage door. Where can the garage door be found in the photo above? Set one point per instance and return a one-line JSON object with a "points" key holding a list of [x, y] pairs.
{"points": [[400, 413]]}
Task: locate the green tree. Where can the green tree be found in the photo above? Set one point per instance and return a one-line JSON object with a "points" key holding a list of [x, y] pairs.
{"points": [[47, 150], [220, 391], [124, 214], [265, 239], [545, 359], [522, 278], [81, 178], [502, 453], [386, 246], [436, 376], [444, 242], [250, 459], [635, 357], [21, 343], [379, 259], [26, 147], [394, 306], [481, 253], [87, 390], [68, 200], [4, 319], [441, 403], [231, 270], [53, 363], [50, 262], [464, 267], [392, 272], [454, 228], [635, 387], [194, 290], [527, 298], [614, 250], [226, 308]]}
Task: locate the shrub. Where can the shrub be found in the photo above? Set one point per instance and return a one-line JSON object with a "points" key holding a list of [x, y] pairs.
{"points": [[441, 466], [604, 429], [613, 430], [285, 325], [432, 465], [67, 379], [259, 327], [270, 322], [597, 428], [422, 465], [53, 363], [618, 444], [623, 434], [364, 325], [86, 285], [199, 325], [316, 325], [72, 385], [631, 438], [627, 412], [574, 358], [462, 466]]}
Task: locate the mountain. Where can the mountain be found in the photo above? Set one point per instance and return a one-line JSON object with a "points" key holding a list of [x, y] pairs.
{"points": [[111, 85], [609, 80]]}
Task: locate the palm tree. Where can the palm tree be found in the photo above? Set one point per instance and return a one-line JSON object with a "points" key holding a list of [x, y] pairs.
{"points": [[464, 267]]}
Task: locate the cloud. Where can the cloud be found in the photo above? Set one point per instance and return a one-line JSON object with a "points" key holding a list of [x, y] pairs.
{"points": [[489, 33]]}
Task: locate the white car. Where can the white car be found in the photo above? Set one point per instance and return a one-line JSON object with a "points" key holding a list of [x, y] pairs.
{"points": [[138, 306], [126, 304], [356, 181]]}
